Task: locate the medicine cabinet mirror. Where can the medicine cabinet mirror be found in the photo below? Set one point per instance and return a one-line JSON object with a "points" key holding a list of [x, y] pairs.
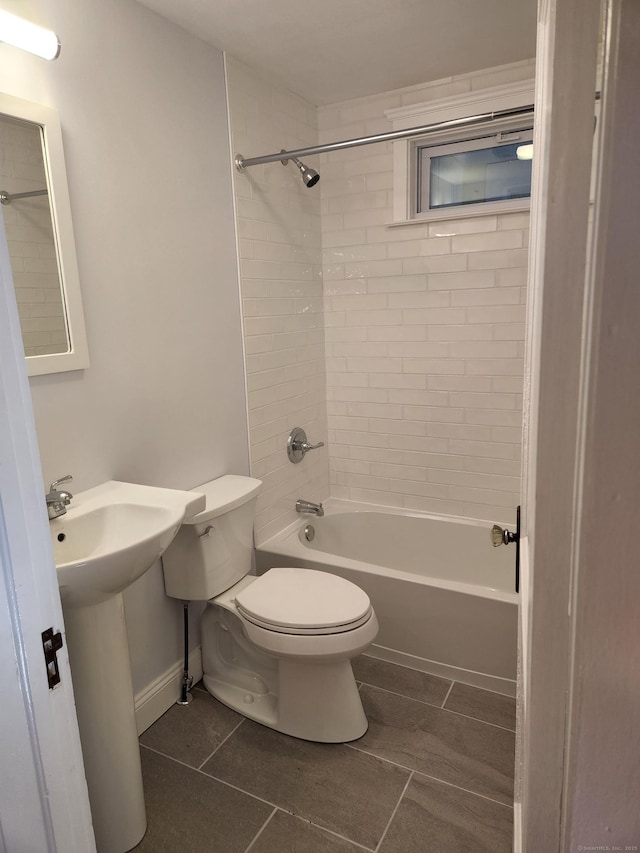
{"points": [[35, 206]]}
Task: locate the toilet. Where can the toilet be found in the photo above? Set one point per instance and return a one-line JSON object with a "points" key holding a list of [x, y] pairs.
{"points": [[276, 648]]}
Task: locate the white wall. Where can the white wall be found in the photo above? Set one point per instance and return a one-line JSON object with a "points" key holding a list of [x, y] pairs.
{"points": [[425, 329], [278, 221], [143, 114]]}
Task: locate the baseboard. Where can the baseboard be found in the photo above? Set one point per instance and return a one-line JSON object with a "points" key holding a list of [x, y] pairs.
{"points": [[152, 702], [506, 686], [517, 828]]}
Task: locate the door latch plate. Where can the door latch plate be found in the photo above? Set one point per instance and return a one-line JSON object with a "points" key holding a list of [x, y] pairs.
{"points": [[51, 645]]}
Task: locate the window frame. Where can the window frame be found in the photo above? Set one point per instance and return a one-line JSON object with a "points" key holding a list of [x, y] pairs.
{"points": [[421, 182], [475, 102]]}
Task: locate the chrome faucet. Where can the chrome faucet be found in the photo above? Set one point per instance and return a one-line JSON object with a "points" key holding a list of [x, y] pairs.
{"points": [[58, 500], [308, 506]]}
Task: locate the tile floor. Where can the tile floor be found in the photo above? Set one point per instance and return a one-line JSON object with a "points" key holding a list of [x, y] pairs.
{"points": [[433, 774]]}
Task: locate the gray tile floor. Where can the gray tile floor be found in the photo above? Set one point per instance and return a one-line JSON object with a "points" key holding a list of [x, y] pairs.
{"points": [[433, 774]]}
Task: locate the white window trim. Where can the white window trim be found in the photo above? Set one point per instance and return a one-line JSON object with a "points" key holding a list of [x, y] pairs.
{"points": [[431, 112]]}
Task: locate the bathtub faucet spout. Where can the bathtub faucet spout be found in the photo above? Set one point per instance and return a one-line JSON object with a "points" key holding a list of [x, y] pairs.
{"points": [[308, 506]]}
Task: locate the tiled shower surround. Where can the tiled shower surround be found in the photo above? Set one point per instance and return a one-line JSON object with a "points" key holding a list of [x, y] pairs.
{"points": [[424, 323], [281, 287]]}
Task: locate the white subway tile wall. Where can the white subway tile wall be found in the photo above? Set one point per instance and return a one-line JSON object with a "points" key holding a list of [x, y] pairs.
{"points": [[424, 329], [278, 221], [30, 240], [403, 346]]}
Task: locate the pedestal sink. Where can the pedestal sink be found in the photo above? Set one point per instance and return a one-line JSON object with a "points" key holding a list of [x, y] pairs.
{"points": [[108, 538]]}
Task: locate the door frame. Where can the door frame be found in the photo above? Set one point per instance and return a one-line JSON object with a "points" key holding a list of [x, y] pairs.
{"points": [[602, 785], [569, 417], [566, 60]]}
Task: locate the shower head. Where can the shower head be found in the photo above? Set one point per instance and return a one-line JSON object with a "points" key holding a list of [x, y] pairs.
{"points": [[309, 176]]}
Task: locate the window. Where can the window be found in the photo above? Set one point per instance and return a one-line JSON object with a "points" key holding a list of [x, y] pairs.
{"points": [[486, 175], [473, 176]]}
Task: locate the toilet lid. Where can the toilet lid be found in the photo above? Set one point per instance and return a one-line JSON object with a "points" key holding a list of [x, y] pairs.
{"points": [[303, 600]]}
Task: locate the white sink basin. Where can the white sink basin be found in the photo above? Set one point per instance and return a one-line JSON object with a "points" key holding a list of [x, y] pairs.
{"points": [[111, 535], [101, 552]]}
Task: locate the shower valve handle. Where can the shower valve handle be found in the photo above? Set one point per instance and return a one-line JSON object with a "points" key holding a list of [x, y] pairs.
{"points": [[305, 446], [297, 445]]}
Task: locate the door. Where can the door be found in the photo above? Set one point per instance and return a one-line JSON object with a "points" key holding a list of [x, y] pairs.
{"points": [[44, 804]]}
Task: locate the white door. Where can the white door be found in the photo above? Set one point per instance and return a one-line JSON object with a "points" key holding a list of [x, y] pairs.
{"points": [[44, 804], [578, 787]]}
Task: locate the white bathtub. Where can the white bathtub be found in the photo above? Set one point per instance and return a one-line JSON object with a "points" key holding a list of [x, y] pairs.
{"points": [[442, 593]]}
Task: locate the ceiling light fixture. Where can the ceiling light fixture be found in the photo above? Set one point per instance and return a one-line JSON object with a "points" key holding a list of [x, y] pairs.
{"points": [[27, 36]]}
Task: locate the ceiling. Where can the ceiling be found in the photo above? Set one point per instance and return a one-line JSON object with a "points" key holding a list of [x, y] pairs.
{"points": [[335, 50]]}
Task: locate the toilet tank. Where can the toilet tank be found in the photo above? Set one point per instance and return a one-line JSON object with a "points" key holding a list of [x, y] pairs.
{"points": [[212, 549]]}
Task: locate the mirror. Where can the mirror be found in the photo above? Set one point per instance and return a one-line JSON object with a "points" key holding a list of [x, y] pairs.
{"points": [[34, 201]]}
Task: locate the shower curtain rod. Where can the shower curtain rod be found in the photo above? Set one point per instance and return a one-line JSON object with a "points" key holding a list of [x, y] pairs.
{"points": [[242, 162], [7, 198]]}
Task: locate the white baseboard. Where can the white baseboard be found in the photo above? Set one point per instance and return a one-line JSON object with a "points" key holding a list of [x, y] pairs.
{"points": [[494, 683], [152, 702], [517, 828]]}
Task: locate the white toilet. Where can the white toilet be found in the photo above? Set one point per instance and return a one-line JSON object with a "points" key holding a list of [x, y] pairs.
{"points": [[276, 648]]}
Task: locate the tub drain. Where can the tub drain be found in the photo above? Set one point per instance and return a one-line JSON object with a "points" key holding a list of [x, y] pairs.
{"points": [[309, 532]]}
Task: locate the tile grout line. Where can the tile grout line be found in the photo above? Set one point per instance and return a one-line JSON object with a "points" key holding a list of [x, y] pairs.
{"points": [[403, 695], [477, 720], [328, 831], [422, 773], [444, 701], [487, 690], [209, 776], [331, 832], [405, 666], [224, 740], [440, 708], [466, 790], [393, 813], [310, 823], [274, 806], [261, 830]]}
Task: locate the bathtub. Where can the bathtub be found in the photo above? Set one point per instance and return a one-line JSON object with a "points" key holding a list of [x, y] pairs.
{"points": [[442, 593]]}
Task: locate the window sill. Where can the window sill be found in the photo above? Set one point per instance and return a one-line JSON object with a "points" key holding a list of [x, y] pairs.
{"points": [[462, 213]]}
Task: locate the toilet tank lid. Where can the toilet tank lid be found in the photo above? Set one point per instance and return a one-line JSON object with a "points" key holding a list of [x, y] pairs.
{"points": [[223, 495]]}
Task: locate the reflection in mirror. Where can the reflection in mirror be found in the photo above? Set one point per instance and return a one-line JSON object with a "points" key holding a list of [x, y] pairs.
{"points": [[37, 219], [30, 238]]}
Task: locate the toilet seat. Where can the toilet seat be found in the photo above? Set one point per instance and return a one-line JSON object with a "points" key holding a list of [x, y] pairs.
{"points": [[303, 602]]}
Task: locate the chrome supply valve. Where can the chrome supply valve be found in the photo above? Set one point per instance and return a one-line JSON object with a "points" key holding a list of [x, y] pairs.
{"points": [[58, 500], [297, 445]]}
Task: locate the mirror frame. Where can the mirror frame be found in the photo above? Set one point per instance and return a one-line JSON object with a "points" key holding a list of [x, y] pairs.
{"points": [[77, 357]]}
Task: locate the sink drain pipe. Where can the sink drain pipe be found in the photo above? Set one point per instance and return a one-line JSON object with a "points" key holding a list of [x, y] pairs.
{"points": [[187, 680]]}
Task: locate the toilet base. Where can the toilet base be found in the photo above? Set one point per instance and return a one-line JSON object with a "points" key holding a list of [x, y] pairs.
{"points": [[316, 701], [312, 698]]}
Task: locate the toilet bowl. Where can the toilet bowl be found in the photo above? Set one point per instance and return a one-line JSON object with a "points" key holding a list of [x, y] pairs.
{"points": [[276, 648]]}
